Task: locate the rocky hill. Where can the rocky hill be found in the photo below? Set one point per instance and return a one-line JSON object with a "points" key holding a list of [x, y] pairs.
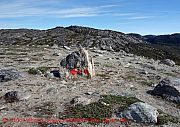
{"points": [[72, 35], [148, 46]]}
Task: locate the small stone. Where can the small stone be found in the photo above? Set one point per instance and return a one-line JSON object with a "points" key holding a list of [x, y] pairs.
{"points": [[104, 103], [127, 65], [143, 72], [167, 62], [80, 100], [56, 54], [66, 47]]}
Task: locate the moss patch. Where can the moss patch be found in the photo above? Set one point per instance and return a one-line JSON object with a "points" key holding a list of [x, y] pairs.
{"points": [[35, 71], [43, 69], [98, 109], [165, 118], [46, 110]]}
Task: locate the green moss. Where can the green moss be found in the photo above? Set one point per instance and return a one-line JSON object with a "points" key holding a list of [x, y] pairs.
{"points": [[33, 71], [122, 101], [93, 110], [98, 109], [46, 110], [164, 118], [43, 69]]}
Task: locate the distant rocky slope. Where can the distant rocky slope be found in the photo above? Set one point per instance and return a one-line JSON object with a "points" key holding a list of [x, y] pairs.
{"points": [[156, 47], [169, 39], [72, 35]]}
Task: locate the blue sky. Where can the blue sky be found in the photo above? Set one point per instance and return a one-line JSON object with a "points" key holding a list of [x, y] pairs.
{"points": [[129, 16]]}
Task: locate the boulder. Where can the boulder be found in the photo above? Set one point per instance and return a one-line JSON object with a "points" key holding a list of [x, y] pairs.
{"points": [[12, 96], [141, 113], [56, 73], [167, 62], [168, 88], [15, 96], [8, 74]]}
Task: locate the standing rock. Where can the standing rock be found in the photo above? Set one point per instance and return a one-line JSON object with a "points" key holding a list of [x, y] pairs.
{"points": [[167, 62], [168, 88], [141, 113], [79, 59]]}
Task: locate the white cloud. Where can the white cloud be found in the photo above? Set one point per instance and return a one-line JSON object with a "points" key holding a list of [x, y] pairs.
{"points": [[141, 17], [20, 8], [122, 14]]}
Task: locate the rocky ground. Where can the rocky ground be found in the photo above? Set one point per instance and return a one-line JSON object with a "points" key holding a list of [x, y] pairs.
{"points": [[117, 73]]}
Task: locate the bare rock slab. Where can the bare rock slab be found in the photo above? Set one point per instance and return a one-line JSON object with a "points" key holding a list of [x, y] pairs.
{"points": [[8, 74], [141, 113]]}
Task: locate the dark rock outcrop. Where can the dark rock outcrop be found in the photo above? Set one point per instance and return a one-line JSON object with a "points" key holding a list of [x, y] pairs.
{"points": [[169, 89], [52, 74]]}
